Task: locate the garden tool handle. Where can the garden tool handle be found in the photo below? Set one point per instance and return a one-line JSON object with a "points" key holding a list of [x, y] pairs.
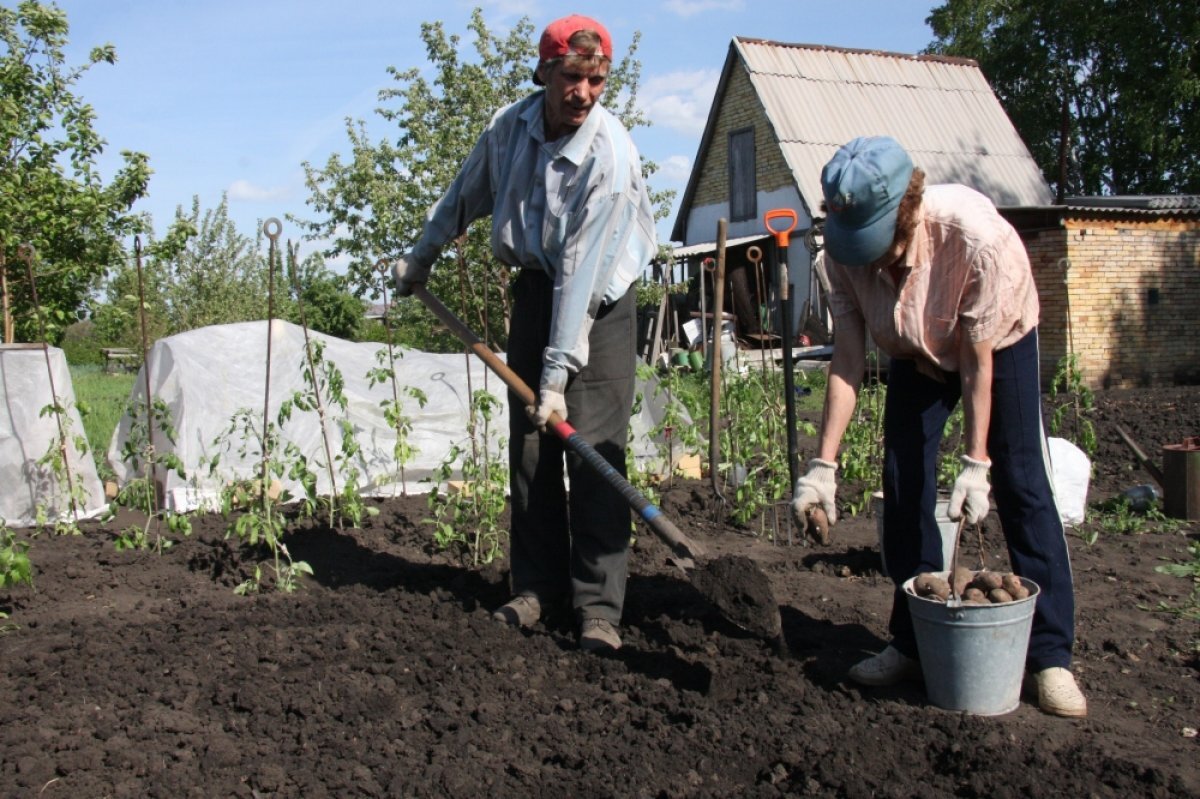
{"points": [[781, 234], [683, 547]]}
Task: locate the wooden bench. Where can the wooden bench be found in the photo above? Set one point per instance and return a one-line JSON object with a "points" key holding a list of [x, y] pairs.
{"points": [[119, 359]]}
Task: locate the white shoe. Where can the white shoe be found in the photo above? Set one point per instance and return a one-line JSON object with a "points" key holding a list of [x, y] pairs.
{"points": [[887, 668], [1058, 694]]}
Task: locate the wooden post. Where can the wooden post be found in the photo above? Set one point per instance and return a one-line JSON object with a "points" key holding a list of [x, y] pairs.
{"points": [[8, 321]]}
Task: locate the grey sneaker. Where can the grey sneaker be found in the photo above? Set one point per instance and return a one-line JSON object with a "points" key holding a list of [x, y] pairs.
{"points": [[597, 635], [521, 611], [887, 668], [1058, 694]]}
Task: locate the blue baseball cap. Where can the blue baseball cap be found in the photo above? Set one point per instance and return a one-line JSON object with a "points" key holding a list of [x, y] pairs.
{"points": [[863, 184]]}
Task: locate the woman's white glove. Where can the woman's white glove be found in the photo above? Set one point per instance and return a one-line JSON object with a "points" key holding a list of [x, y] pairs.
{"points": [[969, 497], [816, 487], [408, 273], [549, 401]]}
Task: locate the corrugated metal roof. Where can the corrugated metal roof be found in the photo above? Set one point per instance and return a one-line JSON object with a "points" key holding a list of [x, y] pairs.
{"points": [[1148, 202], [711, 246], [941, 109]]}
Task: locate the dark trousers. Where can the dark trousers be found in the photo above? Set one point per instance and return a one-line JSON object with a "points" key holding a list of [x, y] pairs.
{"points": [[916, 413], [576, 545]]}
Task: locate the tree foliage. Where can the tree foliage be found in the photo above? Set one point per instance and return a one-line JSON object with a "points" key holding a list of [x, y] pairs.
{"points": [[1120, 79], [205, 272], [373, 203], [51, 193]]}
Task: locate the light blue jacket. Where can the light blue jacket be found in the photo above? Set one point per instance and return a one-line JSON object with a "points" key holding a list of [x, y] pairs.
{"points": [[575, 208]]}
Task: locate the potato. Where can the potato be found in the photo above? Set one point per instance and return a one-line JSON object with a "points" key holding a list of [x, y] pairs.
{"points": [[1014, 586], [987, 581], [817, 527], [974, 595], [932, 586], [962, 578], [998, 596]]}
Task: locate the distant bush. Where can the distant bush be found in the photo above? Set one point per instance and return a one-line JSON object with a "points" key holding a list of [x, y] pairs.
{"points": [[81, 345]]}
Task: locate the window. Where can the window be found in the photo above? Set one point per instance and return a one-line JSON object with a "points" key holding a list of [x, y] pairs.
{"points": [[743, 193]]}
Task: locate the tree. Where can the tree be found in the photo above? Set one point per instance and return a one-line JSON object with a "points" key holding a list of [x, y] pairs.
{"points": [[203, 272], [327, 305], [1105, 93], [51, 193], [374, 204]]}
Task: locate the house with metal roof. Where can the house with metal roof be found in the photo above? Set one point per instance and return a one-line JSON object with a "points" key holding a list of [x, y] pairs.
{"points": [[782, 110]]}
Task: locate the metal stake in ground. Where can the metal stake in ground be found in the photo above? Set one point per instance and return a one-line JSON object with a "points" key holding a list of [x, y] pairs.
{"points": [[735, 585]]}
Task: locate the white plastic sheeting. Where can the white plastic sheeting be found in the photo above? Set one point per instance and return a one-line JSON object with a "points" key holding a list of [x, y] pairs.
{"points": [[206, 376], [26, 436], [1071, 470]]}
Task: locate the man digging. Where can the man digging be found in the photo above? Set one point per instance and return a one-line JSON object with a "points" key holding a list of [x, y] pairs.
{"points": [[561, 179]]}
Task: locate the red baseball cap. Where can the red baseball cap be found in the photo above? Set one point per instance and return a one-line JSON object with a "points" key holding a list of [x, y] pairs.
{"points": [[556, 38]]}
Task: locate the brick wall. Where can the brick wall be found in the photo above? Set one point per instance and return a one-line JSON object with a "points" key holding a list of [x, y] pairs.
{"points": [[1127, 291], [740, 108]]}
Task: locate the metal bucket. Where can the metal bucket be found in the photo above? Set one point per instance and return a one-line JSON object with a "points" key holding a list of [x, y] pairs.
{"points": [[1181, 479], [941, 513], [973, 656]]}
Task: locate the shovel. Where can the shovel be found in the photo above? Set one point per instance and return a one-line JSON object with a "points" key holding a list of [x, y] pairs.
{"points": [[734, 585]]}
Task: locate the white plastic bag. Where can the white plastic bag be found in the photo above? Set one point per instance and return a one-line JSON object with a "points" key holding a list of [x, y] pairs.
{"points": [[1071, 472]]}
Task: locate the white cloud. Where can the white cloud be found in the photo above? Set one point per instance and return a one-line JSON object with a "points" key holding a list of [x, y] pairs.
{"points": [[247, 191], [687, 8], [675, 168], [680, 100]]}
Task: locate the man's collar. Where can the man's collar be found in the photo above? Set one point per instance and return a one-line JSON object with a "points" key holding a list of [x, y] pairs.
{"points": [[575, 146]]}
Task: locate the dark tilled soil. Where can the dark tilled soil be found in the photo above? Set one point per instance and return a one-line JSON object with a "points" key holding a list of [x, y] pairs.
{"points": [[134, 674]]}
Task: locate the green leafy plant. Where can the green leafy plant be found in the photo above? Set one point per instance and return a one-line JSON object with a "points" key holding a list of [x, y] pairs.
{"points": [[68, 490], [754, 444], [1072, 403], [260, 517], [142, 456], [393, 411], [468, 519], [15, 566], [862, 444], [325, 389], [1187, 570]]}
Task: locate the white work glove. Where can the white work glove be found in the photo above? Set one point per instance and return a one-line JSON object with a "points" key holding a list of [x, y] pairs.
{"points": [[816, 487], [408, 273], [969, 497], [549, 401]]}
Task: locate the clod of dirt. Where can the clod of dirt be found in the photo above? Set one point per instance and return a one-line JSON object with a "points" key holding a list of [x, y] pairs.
{"points": [[742, 592]]}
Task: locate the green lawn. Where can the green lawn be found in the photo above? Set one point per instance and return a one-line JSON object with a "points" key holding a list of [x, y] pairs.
{"points": [[104, 396]]}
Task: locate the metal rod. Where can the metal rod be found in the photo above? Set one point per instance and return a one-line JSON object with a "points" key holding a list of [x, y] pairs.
{"points": [[153, 471], [272, 255], [316, 383]]}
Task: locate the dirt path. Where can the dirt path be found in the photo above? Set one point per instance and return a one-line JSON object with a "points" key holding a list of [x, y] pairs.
{"points": [[143, 675]]}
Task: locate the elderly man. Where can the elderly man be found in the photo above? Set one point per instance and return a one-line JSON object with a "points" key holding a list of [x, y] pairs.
{"points": [[562, 181], [944, 285]]}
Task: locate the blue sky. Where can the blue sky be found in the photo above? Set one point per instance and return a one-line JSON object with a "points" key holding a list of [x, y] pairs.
{"points": [[232, 96]]}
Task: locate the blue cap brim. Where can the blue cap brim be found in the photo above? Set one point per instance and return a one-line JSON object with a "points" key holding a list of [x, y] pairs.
{"points": [[859, 246]]}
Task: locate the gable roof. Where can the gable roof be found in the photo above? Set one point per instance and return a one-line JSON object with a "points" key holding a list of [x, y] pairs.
{"points": [[941, 109]]}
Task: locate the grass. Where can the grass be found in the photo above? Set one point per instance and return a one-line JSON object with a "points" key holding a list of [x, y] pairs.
{"points": [[104, 396]]}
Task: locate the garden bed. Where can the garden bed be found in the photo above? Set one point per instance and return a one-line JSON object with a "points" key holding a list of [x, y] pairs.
{"points": [[135, 674]]}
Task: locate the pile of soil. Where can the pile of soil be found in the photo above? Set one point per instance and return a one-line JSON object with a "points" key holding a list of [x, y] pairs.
{"points": [[136, 674]]}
